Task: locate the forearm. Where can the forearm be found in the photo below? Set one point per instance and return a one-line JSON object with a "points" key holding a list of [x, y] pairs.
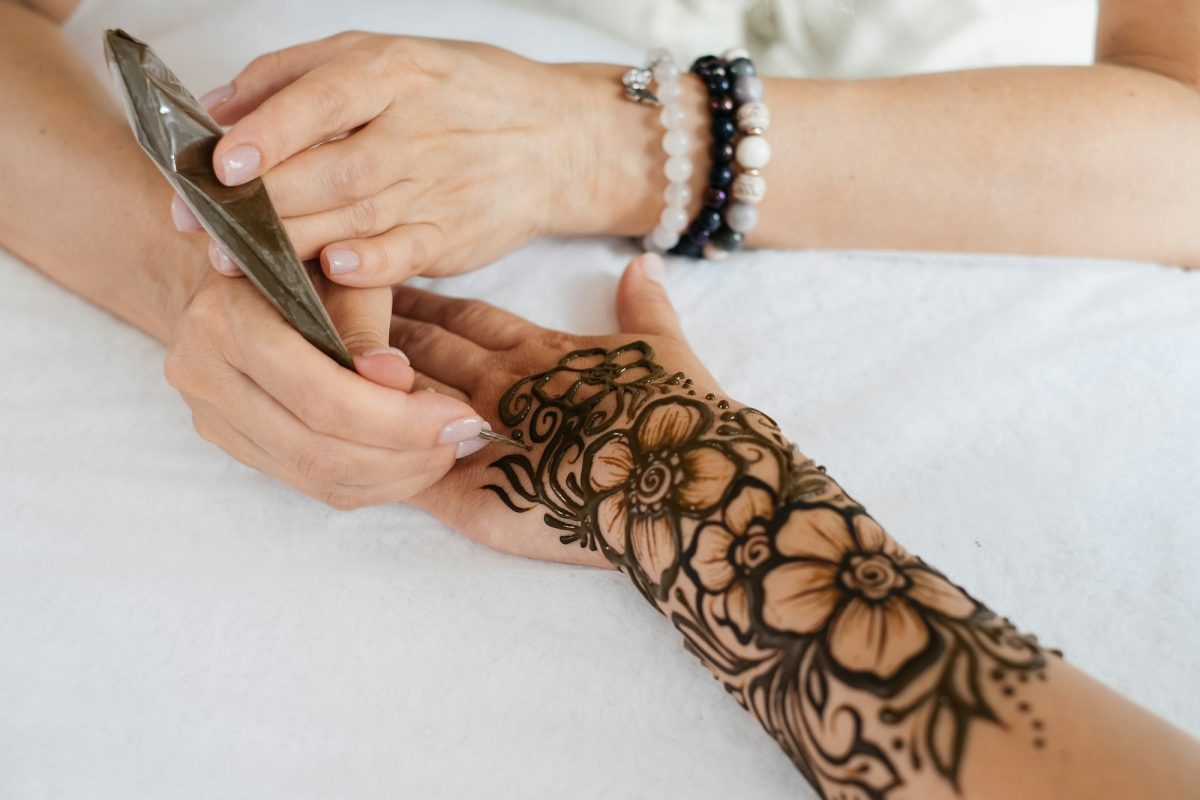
{"points": [[1090, 161], [80, 201], [877, 675]]}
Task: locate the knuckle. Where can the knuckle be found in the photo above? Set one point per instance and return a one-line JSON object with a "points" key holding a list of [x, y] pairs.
{"points": [[468, 314], [330, 101], [323, 465], [204, 427], [363, 217], [342, 499], [416, 337], [317, 413], [176, 369], [361, 338], [351, 177], [266, 64]]}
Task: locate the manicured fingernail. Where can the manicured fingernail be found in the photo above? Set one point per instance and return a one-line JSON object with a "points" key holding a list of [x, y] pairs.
{"points": [[342, 261], [387, 351], [216, 97], [182, 216], [654, 268], [222, 262], [461, 430], [470, 446], [240, 164]]}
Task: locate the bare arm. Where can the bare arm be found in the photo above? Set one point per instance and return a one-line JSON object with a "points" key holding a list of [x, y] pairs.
{"points": [[80, 201], [1097, 161], [878, 676]]}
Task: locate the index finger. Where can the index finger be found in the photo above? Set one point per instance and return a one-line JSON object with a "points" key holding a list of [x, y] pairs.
{"points": [[334, 98], [336, 401]]}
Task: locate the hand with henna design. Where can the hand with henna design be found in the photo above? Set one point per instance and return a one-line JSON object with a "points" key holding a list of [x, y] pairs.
{"points": [[879, 677]]}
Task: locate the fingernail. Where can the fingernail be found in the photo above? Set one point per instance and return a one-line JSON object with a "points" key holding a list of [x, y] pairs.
{"points": [[470, 446], [654, 268], [463, 433], [240, 164], [387, 351], [222, 262], [216, 97], [341, 261], [461, 430], [182, 216]]}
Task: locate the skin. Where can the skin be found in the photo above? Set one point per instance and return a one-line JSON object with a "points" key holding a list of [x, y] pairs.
{"points": [[1089, 161], [349, 440]]}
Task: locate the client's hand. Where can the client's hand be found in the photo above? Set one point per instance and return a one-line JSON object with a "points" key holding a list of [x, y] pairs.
{"points": [[274, 402], [480, 351], [435, 157]]}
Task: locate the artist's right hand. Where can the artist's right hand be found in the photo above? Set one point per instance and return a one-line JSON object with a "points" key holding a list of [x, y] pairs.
{"points": [[271, 400]]}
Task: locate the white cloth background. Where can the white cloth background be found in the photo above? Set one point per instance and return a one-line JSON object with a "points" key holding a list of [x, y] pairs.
{"points": [[175, 625]]}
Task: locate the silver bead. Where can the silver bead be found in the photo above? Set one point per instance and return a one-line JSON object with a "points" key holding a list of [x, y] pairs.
{"points": [[734, 53], [753, 116], [749, 187]]}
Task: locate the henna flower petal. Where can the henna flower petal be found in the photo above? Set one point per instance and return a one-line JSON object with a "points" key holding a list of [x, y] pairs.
{"points": [[737, 607], [669, 424], [711, 561], [799, 596], [877, 638], [750, 503], [653, 542], [707, 473], [815, 533], [935, 592], [611, 465], [871, 538], [613, 514]]}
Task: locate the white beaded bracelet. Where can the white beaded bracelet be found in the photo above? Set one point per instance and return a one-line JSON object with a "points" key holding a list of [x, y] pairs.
{"points": [[677, 144]]}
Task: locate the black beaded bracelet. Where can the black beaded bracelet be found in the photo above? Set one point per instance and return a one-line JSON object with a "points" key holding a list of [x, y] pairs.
{"points": [[735, 96], [711, 70]]}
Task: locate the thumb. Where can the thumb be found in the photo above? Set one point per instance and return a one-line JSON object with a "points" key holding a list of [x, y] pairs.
{"points": [[363, 318], [642, 302]]}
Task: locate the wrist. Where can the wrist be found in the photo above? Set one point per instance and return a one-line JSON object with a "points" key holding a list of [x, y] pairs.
{"points": [[168, 269], [614, 182]]}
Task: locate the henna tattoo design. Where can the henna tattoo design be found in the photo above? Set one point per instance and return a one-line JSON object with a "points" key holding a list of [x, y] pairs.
{"points": [[866, 664]]}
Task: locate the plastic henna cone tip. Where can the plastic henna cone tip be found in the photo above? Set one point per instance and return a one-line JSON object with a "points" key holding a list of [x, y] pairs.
{"points": [[499, 438]]}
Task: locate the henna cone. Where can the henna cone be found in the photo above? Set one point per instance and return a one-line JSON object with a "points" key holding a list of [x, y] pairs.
{"points": [[179, 136]]}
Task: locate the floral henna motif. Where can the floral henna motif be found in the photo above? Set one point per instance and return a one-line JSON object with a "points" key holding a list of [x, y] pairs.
{"points": [[864, 663]]}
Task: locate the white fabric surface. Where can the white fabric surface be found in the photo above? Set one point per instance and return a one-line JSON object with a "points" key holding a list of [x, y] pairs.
{"points": [[175, 625]]}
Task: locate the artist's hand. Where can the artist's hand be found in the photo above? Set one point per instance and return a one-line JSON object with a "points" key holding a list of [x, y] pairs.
{"points": [[454, 153], [271, 400], [480, 351]]}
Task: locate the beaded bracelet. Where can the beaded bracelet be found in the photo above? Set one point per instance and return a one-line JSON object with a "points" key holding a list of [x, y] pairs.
{"points": [[675, 141], [712, 72], [751, 155]]}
